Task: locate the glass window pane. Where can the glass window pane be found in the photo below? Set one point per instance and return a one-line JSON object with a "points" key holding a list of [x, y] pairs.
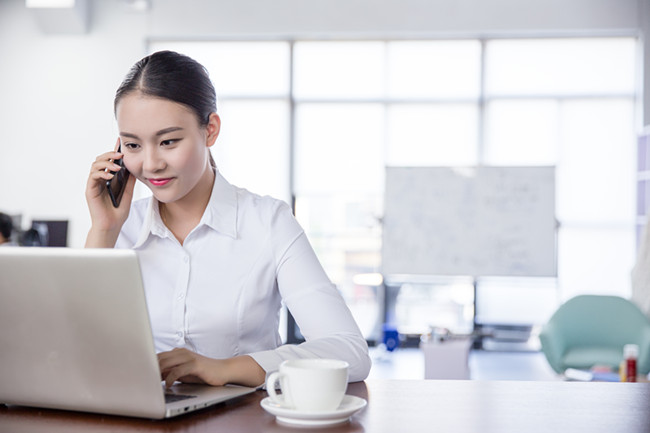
{"points": [[418, 307], [339, 148], [595, 260], [239, 68], [252, 150], [329, 70], [445, 134], [521, 132], [516, 301], [345, 232], [560, 66], [596, 171], [434, 69]]}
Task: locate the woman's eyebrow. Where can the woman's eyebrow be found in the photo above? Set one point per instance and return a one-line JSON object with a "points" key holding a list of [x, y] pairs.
{"points": [[128, 134], [168, 130], [158, 134]]}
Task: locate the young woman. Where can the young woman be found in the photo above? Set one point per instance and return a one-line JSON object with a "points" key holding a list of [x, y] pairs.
{"points": [[217, 260]]}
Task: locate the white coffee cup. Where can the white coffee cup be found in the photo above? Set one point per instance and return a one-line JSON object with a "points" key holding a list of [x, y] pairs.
{"points": [[310, 385]]}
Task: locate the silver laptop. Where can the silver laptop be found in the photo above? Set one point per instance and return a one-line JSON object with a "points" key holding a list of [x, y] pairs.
{"points": [[75, 334]]}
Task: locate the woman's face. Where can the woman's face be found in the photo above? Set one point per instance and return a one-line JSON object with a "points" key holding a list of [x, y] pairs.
{"points": [[163, 144]]}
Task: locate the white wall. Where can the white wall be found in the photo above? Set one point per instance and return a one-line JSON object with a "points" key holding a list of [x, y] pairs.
{"points": [[56, 109], [56, 91]]}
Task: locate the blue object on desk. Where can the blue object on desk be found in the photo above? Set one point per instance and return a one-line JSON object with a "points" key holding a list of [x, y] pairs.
{"points": [[391, 337], [591, 376], [603, 376]]}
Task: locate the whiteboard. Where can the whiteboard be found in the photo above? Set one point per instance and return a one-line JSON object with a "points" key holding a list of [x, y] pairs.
{"points": [[475, 221]]}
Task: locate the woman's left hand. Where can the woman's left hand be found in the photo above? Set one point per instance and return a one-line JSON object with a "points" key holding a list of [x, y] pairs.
{"points": [[186, 366]]}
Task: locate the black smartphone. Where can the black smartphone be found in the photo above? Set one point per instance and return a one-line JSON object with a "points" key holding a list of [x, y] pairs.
{"points": [[117, 184]]}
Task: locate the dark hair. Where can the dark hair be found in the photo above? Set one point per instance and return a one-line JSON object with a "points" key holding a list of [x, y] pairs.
{"points": [[6, 225], [176, 77]]}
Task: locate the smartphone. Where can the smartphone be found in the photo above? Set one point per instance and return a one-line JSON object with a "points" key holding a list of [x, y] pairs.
{"points": [[117, 184]]}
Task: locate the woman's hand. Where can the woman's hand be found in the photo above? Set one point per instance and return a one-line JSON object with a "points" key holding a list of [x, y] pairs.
{"points": [[106, 219], [186, 366]]}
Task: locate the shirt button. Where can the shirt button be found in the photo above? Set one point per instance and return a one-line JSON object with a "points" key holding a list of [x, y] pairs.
{"points": [[181, 296], [180, 334], [186, 259]]}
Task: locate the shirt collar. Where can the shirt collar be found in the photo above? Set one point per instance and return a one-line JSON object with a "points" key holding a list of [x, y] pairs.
{"points": [[220, 213]]}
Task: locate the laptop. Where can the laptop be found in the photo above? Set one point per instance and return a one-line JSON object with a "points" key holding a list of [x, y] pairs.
{"points": [[75, 335]]}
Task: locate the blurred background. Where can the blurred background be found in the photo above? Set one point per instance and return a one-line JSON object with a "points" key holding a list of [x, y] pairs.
{"points": [[318, 98]]}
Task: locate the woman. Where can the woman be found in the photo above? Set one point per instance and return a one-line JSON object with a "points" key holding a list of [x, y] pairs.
{"points": [[217, 260]]}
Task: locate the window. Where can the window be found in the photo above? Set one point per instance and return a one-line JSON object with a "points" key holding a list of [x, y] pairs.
{"points": [[252, 84], [324, 118], [570, 103]]}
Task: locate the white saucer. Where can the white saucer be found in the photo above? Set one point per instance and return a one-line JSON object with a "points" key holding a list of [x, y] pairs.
{"points": [[349, 405]]}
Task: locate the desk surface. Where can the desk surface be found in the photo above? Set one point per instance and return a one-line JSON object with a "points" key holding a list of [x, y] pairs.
{"points": [[399, 405]]}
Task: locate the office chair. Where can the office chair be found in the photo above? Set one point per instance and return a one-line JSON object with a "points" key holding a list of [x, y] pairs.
{"points": [[590, 330]]}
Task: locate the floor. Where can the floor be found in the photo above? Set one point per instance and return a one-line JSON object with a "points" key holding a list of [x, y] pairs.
{"points": [[483, 365]]}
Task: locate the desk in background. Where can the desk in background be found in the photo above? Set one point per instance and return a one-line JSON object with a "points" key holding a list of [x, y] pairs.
{"points": [[396, 406]]}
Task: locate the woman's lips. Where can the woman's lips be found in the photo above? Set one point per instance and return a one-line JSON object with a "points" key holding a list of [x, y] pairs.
{"points": [[160, 181]]}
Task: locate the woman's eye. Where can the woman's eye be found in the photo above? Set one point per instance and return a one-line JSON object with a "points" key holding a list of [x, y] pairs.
{"points": [[131, 146], [169, 142]]}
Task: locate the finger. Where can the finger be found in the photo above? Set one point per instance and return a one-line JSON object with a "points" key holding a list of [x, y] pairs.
{"points": [[177, 364], [101, 174], [97, 179], [168, 360], [104, 167], [103, 170], [108, 156], [170, 378], [169, 354], [180, 372]]}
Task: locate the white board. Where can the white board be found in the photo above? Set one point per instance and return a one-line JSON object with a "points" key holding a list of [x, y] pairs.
{"points": [[479, 221]]}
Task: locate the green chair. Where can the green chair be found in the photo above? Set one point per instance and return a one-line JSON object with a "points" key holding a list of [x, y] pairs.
{"points": [[590, 330]]}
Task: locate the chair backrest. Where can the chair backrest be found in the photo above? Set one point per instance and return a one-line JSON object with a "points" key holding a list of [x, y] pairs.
{"points": [[600, 320]]}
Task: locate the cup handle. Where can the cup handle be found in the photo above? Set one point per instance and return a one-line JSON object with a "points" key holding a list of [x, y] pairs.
{"points": [[270, 388]]}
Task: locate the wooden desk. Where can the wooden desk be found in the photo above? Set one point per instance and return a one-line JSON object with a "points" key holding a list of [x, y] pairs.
{"points": [[399, 406]]}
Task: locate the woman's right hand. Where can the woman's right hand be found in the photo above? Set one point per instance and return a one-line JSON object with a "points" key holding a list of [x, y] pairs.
{"points": [[107, 220]]}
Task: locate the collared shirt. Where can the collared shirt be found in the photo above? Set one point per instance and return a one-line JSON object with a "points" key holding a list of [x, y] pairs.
{"points": [[220, 293]]}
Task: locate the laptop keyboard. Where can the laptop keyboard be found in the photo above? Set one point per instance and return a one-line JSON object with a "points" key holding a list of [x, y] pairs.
{"points": [[171, 398]]}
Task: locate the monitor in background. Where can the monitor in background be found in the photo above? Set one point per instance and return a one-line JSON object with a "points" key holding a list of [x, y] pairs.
{"points": [[51, 233]]}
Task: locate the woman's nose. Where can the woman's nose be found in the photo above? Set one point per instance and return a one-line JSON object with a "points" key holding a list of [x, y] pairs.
{"points": [[153, 161]]}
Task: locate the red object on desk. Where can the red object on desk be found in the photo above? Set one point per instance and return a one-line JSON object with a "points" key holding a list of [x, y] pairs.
{"points": [[630, 353]]}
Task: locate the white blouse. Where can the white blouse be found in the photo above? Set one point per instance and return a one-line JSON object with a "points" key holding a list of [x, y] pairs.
{"points": [[220, 293]]}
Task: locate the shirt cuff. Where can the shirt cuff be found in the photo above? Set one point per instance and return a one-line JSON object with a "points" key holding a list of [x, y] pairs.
{"points": [[269, 360]]}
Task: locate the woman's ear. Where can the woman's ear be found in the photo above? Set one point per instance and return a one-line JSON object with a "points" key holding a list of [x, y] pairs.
{"points": [[213, 127]]}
